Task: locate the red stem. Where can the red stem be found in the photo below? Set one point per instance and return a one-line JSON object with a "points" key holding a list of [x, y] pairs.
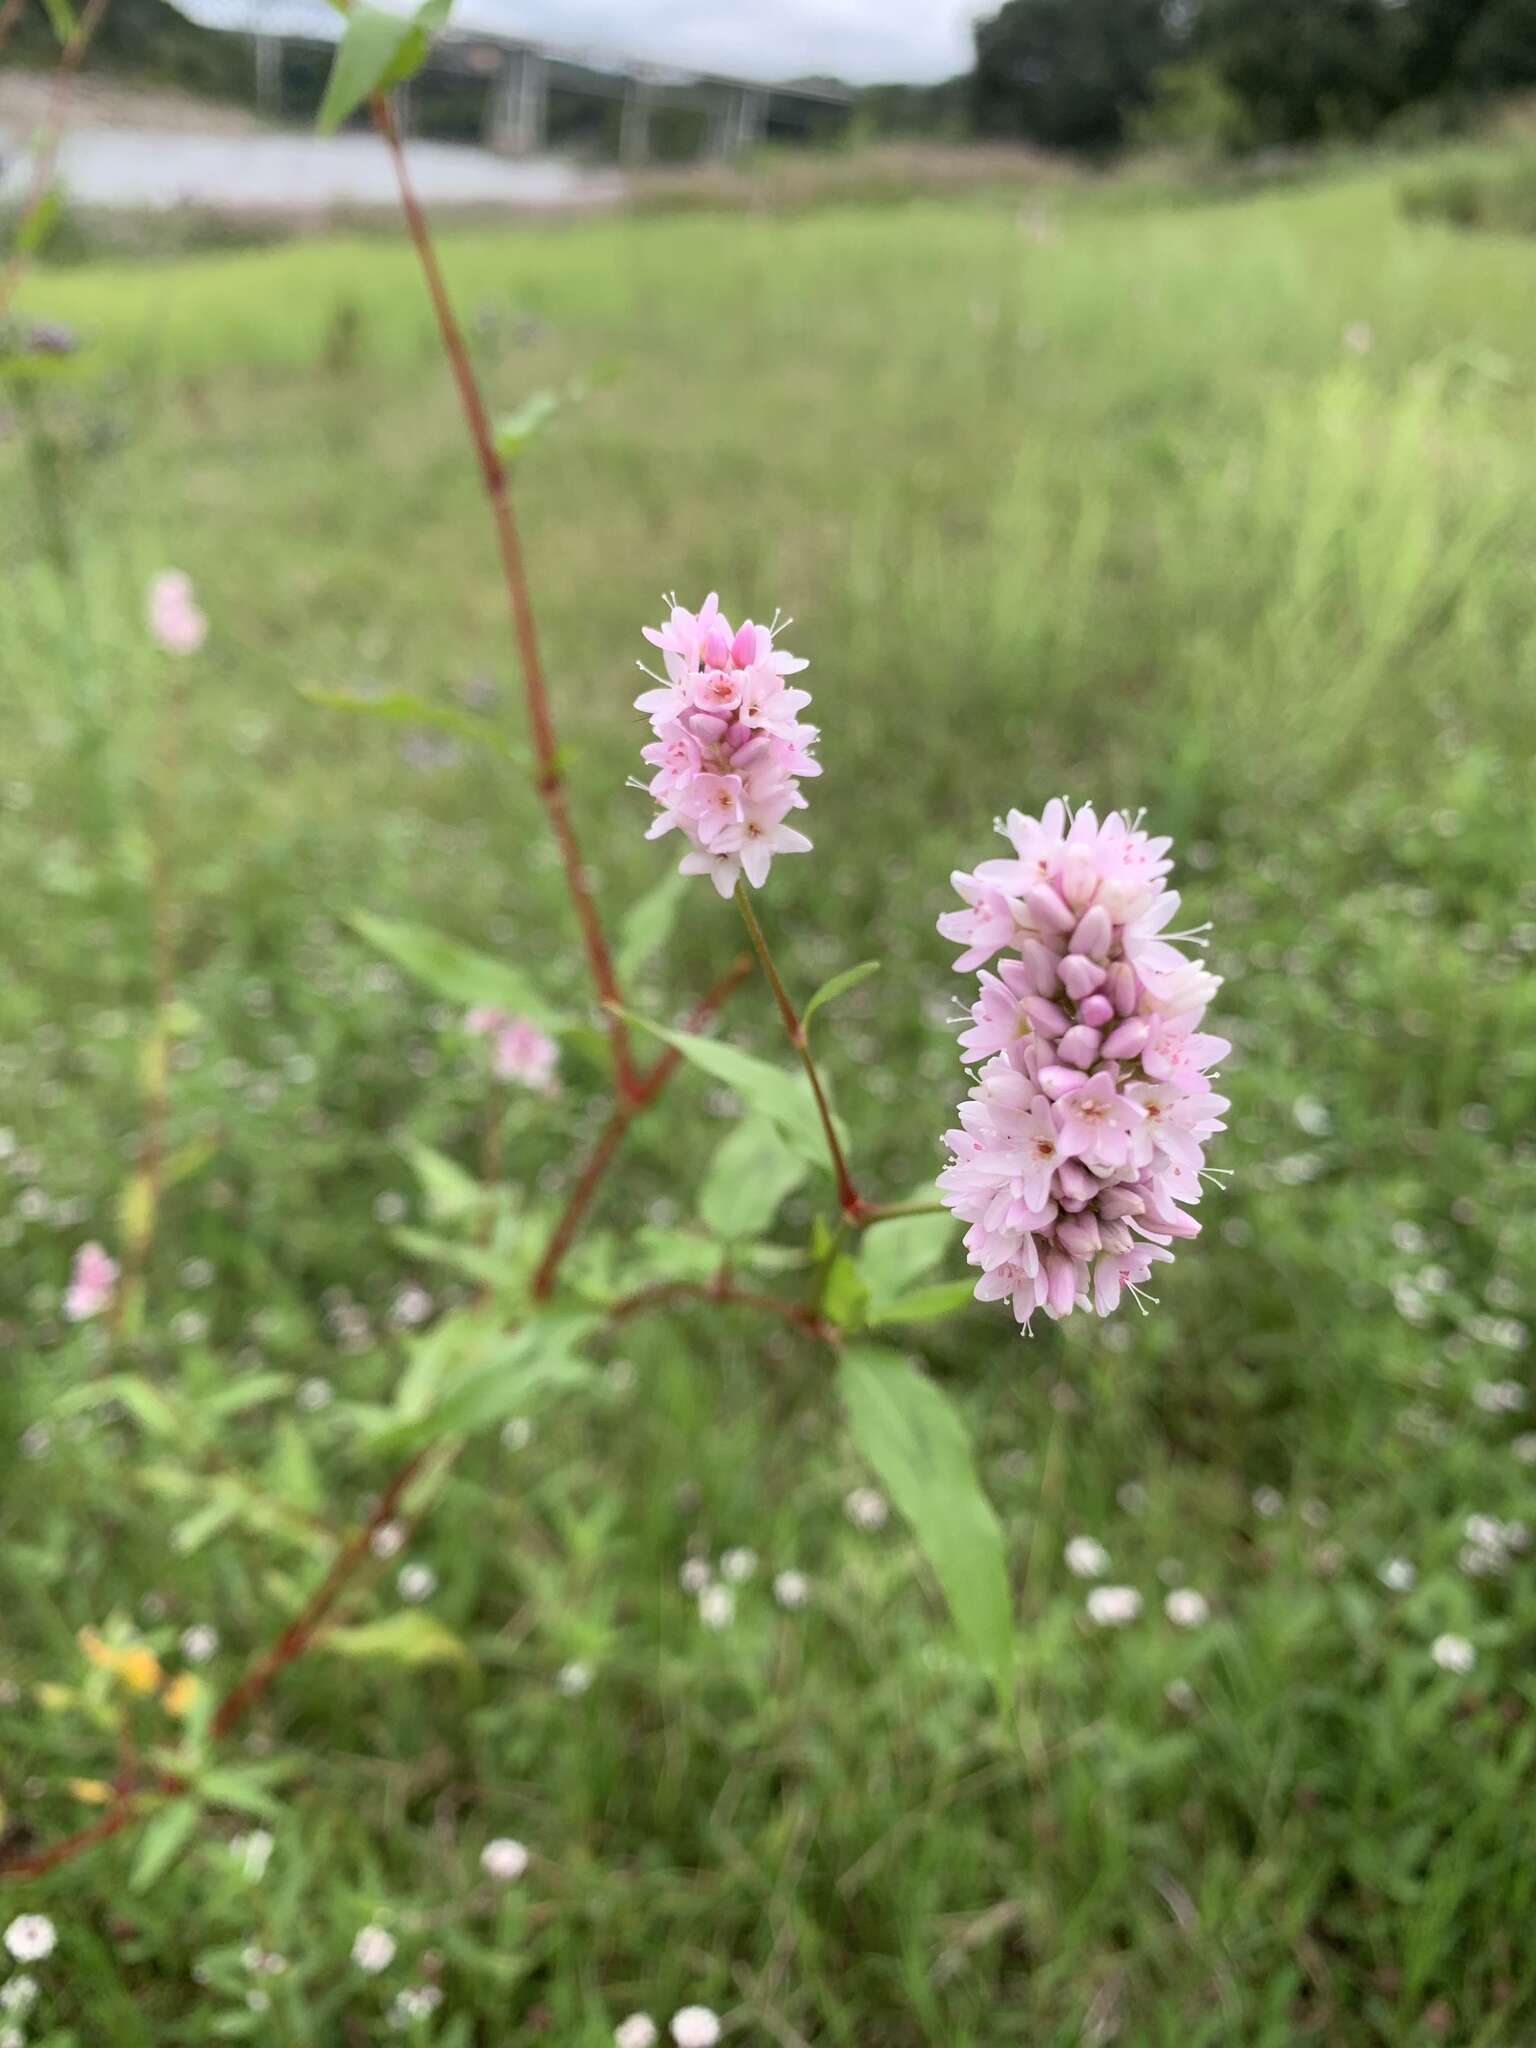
{"points": [[651, 1083], [53, 127], [549, 782], [724, 1293]]}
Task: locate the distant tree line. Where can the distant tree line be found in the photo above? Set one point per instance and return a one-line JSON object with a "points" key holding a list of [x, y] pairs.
{"points": [[1091, 74]]}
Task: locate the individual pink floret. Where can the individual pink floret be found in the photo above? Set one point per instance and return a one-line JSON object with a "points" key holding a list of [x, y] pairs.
{"points": [[520, 1051], [175, 623], [92, 1279]]}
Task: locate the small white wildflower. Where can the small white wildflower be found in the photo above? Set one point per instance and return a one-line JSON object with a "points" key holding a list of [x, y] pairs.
{"points": [[1499, 1397], [1524, 1447], [388, 1539], [37, 1441], [415, 2002], [1483, 1530], [1453, 1653], [1397, 1574], [867, 1509], [695, 2027], [1186, 1608], [1515, 1535], [504, 1859], [1180, 1695], [31, 1938], [717, 1607], [638, 2031], [738, 1565], [1268, 1502], [573, 1679], [1482, 1560], [12, 2037], [314, 1394], [1113, 1606], [374, 1949], [693, 1574], [258, 2000], [199, 1642], [517, 1434], [1086, 1557], [791, 1589], [417, 1582], [18, 1996], [253, 1852]]}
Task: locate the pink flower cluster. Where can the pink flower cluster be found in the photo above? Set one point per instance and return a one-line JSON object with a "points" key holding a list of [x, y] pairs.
{"points": [[1085, 1129], [729, 747], [92, 1281], [520, 1051], [175, 623]]}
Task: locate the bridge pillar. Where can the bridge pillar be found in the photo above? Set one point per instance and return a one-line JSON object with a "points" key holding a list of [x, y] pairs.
{"points": [[517, 112]]}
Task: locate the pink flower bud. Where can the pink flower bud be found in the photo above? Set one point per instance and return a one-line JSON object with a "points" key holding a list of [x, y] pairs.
{"points": [[1080, 976], [1079, 878], [1045, 1015], [1047, 908], [1058, 1081], [1121, 988], [1094, 933], [716, 649], [1060, 1283], [1077, 1184], [1041, 965], [1127, 1039], [744, 646], [1079, 1047], [1096, 1011], [1079, 1235]]}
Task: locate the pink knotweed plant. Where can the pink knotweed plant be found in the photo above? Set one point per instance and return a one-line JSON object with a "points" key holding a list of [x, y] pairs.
{"points": [[1085, 1130], [92, 1283], [520, 1051], [175, 623], [729, 747]]}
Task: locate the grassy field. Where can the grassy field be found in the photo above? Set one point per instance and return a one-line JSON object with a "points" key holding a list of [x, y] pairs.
{"points": [[1223, 509]]}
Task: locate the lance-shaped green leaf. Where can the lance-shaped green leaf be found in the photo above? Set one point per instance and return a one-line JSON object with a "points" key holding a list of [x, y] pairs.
{"points": [[514, 430], [377, 50], [399, 707], [164, 1838], [647, 925], [896, 1254], [413, 1639], [839, 985], [750, 1174], [776, 1092], [910, 1432], [457, 973], [924, 1304]]}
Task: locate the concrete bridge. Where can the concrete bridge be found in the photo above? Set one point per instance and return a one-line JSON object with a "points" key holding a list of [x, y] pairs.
{"points": [[511, 82]]}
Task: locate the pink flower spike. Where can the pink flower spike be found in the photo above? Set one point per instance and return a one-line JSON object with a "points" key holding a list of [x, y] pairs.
{"points": [[175, 623], [1082, 1141], [92, 1279], [729, 747], [520, 1051]]}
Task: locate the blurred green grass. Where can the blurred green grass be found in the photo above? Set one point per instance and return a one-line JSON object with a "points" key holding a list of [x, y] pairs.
{"points": [[1092, 495]]}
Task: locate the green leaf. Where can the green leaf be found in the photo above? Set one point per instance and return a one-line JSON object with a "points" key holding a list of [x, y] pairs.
{"points": [[895, 1254], [514, 430], [413, 1639], [292, 1473], [778, 1094], [399, 707], [749, 1176], [647, 925], [376, 51], [39, 223], [243, 1789], [61, 18], [250, 1391], [839, 985], [163, 1839], [910, 1432], [456, 972], [484, 1376], [925, 1304], [844, 1297], [154, 1414], [502, 1272], [451, 1193]]}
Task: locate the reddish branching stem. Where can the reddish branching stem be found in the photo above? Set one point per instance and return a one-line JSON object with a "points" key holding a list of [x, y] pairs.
{"points": [[609, 1139], [549, 780], [301, 1631], [723, 1292], [46, 155]]}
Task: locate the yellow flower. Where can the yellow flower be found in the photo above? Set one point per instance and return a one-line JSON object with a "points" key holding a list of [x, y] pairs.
{"points": [[137, 1666], [182, 1695], [90, 1791]]}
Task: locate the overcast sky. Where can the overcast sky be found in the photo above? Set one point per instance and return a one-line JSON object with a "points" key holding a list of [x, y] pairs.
{"points": [[860, 40]]}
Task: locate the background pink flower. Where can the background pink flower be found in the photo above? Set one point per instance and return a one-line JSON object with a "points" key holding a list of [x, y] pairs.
{"points": [[175, 623]]}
